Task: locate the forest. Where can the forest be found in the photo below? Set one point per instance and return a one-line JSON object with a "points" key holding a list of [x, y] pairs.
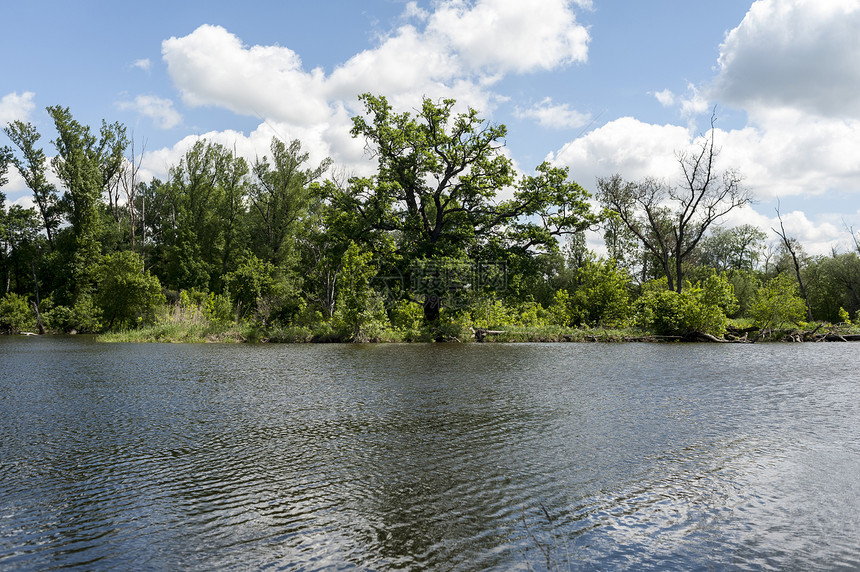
{"points": [[444, 242]]}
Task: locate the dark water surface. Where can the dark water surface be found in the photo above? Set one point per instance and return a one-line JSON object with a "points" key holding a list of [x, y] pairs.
{"points": [[443, 457]]}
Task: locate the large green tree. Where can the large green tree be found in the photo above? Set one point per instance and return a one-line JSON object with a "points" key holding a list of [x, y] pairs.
{"points": [[32, 165], [196, 217], [437, 185], [280, 198], [88, 165]]}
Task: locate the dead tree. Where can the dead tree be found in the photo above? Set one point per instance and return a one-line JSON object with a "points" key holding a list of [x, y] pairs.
{"points": [[670, 221], [789, 246]]}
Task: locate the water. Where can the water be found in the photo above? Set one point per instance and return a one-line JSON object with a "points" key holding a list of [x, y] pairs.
{"points": [[442, 457]]}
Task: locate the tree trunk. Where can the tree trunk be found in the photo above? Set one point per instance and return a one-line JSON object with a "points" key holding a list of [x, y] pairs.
{"points": [[431, 308], [39, 323]]}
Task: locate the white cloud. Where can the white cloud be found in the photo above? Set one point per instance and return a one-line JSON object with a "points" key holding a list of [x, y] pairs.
{"points": [[665, 97], [15, 107], [458, 50], [555, 116], [317, 141], [143, 64], [211, 66], [625, 146], [160, 110], [694, 104], [511, 35], [800, 54]]}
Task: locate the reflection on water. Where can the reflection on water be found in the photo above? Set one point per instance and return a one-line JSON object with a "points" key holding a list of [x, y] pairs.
{"points": [[472, 457]]}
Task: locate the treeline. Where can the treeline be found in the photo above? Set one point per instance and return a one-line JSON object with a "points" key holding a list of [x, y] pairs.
{"points": [[442, 242]]}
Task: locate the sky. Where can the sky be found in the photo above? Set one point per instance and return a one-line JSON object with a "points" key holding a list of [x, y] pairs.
{"points": [[600, 86]]}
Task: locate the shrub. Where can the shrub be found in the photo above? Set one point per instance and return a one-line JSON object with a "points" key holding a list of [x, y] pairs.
{"points": [[16, 315], [360, 314], [699, 308], [126, 294], [602, 296], [777, 303]]}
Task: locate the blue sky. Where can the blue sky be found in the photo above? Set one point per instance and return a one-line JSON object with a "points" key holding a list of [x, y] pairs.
{"points": [[603, 87]]}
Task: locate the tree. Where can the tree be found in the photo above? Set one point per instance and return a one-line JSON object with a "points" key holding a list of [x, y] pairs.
{"points": [[280, 198], [670, 221], [737, 248], [19, 228], [33, 167], [197, 216], [777, 303], [5, 159], [700, 308], [438, 176], [88, 166], [601, 296], [126, 295], [359, 315], [833, 284], [792, 248]]}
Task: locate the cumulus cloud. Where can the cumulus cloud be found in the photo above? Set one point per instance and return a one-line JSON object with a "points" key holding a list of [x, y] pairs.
{"points": [[626, 146], [15, 107], [160, 110], [800, 54], [211, 66], [510, 35], [459, 48], [554, 116], [316, 141]]}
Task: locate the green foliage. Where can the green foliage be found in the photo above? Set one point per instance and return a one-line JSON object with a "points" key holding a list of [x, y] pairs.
{"points": [[438, 175], [280, 199], [255, 287], [271, 252], [406, 316], [16, 315], [218, 311], [359, 315], [126, 295], [559, 312], [602, 296], [488, 312], [833, 282], [84, 316], [699, 308], [736, 248], [33, 168], [777, 304]]}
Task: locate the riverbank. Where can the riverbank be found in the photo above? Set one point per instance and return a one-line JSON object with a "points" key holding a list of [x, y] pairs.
{"points": [[739, 333]]}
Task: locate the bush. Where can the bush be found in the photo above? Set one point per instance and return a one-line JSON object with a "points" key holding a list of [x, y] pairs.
{"points": [[16, 315], [360, 314], [699, 308], [126, 295], [602, 297], [407, 317], [777, 303]]}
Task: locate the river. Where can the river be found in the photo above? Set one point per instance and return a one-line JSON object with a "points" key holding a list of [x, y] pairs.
{"points": [[436, 456]]}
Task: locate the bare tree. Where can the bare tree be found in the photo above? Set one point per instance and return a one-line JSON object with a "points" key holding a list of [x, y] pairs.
{"points": [[791, 246], [129, 181], [670, 221]]}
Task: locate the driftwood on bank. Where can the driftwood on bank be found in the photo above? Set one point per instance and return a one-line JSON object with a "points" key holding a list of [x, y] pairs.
{"points": [[481, 333]]}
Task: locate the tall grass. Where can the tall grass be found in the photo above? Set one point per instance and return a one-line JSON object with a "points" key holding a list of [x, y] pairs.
{"points": [[186, 323]]}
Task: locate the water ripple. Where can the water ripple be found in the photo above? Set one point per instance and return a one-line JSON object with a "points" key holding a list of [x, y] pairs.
{"points": [[428, 457]]}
